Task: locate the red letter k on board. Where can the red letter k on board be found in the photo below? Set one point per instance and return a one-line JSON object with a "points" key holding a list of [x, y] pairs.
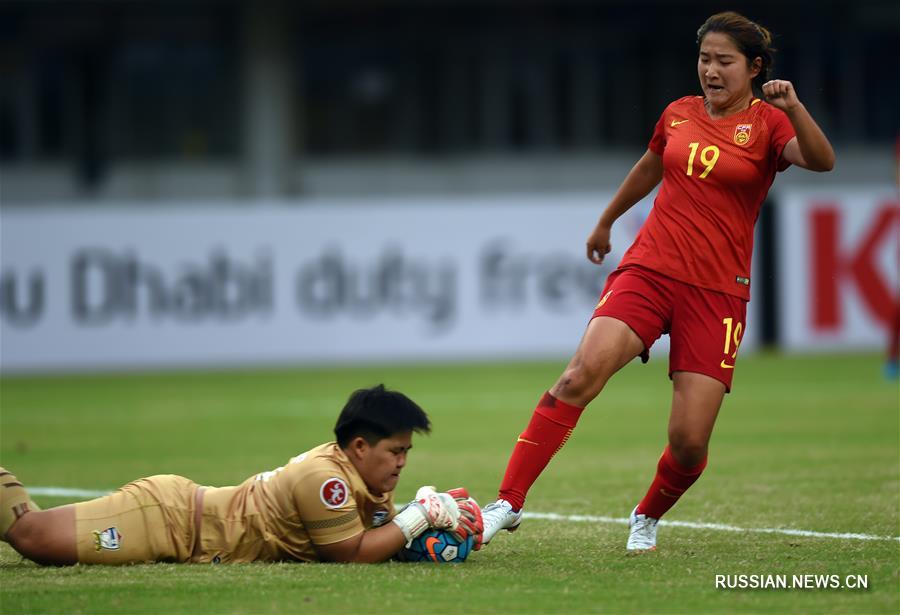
{"points": [[832, 269]]}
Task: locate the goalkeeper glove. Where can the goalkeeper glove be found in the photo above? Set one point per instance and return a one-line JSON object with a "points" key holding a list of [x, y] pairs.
{"points": [[429, 510], [470, 520]]}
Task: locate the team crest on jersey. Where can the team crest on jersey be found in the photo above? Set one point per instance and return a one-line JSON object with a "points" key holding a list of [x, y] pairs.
{"points": [[109, 539], [334, 493], [742, 133]]}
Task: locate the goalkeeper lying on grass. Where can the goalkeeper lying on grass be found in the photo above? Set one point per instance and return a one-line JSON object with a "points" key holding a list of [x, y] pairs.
{"points": [[332, 503]]}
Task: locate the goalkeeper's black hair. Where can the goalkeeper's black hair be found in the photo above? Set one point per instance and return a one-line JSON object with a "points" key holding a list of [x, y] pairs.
{"points": [[378, 413]]}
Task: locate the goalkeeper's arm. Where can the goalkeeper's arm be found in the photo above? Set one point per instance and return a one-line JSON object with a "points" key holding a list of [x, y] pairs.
{"points": [[369, 547], [428, 510]]}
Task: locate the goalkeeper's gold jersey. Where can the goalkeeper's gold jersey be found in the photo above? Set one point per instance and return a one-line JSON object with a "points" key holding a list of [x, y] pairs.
{"points": [[316, 498]]}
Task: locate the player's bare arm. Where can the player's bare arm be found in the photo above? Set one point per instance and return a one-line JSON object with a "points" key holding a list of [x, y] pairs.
{"points": [[810, 149], [643, 177], [368, 547]]}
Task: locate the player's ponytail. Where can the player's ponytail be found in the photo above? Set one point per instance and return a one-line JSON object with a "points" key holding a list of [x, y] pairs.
{"points": [[752, 39]]}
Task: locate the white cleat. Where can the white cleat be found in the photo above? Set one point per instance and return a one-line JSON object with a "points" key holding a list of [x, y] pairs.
{"points": [[499, 516], [643, 532]]}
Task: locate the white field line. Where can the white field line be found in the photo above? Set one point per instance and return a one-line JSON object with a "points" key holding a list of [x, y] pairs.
{"points": [[88, 493], [65, 492], [710, 526]]}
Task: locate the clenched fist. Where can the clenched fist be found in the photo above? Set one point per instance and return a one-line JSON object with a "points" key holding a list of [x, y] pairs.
{"points": [[780, 94]]}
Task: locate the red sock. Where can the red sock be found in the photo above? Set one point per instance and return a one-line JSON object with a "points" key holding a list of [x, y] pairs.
{"points": [[551, 425], [671, 481]]}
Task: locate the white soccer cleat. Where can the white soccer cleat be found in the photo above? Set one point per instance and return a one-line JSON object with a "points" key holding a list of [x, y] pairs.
{"points": [[499, 516], [643, 532]]}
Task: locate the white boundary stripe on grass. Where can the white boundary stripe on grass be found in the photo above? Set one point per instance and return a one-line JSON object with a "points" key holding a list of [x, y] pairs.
{"points": [[88, 493], [709, 526], [65, 492]]}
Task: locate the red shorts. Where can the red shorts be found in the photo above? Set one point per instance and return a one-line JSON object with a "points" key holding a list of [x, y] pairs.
{"points": [[705, 327]]}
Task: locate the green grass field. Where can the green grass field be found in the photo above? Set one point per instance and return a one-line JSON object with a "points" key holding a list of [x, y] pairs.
{"points": [[809, 442]]}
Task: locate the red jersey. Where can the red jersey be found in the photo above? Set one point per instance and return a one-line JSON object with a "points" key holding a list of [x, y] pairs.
{"points": [[716, 175]]}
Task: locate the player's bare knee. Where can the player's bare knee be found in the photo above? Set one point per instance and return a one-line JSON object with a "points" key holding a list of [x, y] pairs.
{"points": [[24, 537], [41, 549], [688, 451], [33, 537], [578, 385]]}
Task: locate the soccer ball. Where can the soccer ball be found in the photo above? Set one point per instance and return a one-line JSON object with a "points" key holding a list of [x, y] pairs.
{"points": [[438, 546]]}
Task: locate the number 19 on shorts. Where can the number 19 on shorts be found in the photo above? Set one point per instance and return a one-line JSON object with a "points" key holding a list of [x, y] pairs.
{"points": [[734, 332]]}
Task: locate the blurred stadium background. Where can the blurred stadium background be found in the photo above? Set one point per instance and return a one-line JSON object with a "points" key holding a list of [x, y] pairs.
{"points": [[210, 183]]}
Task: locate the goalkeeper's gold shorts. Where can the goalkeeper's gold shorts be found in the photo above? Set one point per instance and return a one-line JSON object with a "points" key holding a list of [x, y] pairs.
{"points": [[149, 520]]}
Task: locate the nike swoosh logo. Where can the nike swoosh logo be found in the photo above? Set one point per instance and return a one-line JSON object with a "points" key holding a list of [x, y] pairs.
{"points": [[527, 441], [668, 494], [725, 365], [674, 123], [429, 546]]}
